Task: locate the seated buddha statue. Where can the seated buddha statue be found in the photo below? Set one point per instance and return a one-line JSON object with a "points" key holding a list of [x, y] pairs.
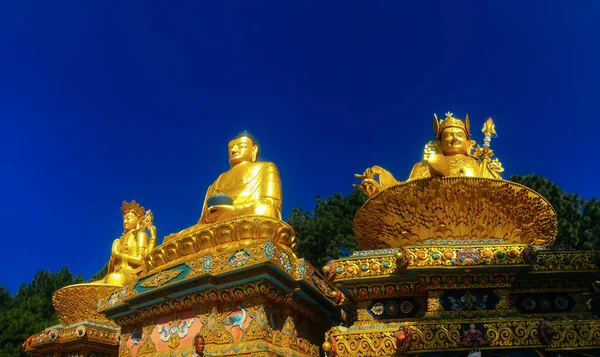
{"points": [[249, 187], [129, 250], [449, 155], [451, 152]]}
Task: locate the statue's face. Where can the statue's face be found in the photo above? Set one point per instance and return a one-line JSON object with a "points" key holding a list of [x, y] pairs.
{"points": [[130, 221], [242, 149], [454, 141]]}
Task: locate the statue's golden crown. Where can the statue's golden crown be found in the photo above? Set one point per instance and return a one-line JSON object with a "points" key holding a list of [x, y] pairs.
{"points": [[450, 122], [133, 207]]}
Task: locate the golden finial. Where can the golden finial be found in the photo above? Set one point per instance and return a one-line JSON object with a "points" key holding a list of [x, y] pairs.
{"points": [[133, 207]]}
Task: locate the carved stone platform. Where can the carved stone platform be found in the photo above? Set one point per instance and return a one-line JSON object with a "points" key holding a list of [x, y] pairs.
{"points": [[258, 300]]}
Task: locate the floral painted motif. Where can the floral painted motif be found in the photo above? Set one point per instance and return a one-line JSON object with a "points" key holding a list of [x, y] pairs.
{"points": [[239, 258], [237, 317], [467, 256], [176, 330], [285, 262], [468, 302]]}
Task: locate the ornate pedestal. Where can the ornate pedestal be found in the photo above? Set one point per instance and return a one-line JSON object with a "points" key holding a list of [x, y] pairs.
{"points": [[258, 300], [468, 274], [83, 331]]}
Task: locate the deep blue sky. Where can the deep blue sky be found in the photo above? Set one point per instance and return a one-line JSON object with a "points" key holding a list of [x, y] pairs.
{"points": [[105, 101]]}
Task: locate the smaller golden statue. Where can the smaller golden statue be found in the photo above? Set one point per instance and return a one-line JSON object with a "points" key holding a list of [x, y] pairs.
{"points": [[248, 188], [129, 251], [449, 155]]}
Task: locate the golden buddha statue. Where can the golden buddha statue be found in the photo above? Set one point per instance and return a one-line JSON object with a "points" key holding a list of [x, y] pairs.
{"points": [[449, 155], [129, 251], [247, 188]]}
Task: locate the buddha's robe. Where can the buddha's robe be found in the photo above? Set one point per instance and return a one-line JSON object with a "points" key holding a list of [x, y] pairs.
{"points": [[254, 187]]}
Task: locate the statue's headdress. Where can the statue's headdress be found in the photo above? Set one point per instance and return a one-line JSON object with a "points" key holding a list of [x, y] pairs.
{"points": [[449, 122], [133, 207]]}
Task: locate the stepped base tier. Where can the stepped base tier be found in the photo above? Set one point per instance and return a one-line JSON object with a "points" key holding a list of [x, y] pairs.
{"points": [[259, 300], [449, 300], [83, 331], [457, 210], [221, 236]]}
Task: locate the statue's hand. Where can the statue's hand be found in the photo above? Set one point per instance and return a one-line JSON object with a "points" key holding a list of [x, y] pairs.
{"points": [[213, 213], [369, 186], [152, 230]]}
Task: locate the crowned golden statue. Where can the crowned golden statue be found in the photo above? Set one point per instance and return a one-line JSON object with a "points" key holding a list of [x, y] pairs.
{"points": [[129, 250], [450, 187], [448, 156]]}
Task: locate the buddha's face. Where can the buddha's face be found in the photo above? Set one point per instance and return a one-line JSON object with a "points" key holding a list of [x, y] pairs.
{"points": [[454, 141], [130, 221], [241, 150]]}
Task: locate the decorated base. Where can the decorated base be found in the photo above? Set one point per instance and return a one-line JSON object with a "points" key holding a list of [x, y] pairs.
{"points": [[430, 298], [84, 338], [259, 300], [457, 209], [79, 302], [221, 237]]}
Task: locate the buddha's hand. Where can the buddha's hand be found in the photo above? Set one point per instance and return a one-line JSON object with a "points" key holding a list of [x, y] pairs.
{"points": [[215, 213]]}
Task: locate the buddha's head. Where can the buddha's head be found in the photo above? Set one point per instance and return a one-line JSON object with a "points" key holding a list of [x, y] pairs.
{"points": [[452, 135], [132, 214], [243, 148]]}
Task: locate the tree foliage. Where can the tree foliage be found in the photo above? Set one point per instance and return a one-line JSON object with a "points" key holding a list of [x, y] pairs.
{"points": [[578, 220], [30, 310], [326, 232]]}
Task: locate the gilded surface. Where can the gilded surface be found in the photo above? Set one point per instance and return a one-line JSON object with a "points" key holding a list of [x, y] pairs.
{"points": [[129, 250], [454, 208], [220, 237], [233, 208], [90, 333], [449, 155], [425, 256], [376, 339], [78, 302], [222, 265], [161, 278]]}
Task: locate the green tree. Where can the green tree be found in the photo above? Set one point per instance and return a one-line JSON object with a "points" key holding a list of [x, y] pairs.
{"points": [[326, 233], [30, 310], [590, 227], [569, 211]]}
